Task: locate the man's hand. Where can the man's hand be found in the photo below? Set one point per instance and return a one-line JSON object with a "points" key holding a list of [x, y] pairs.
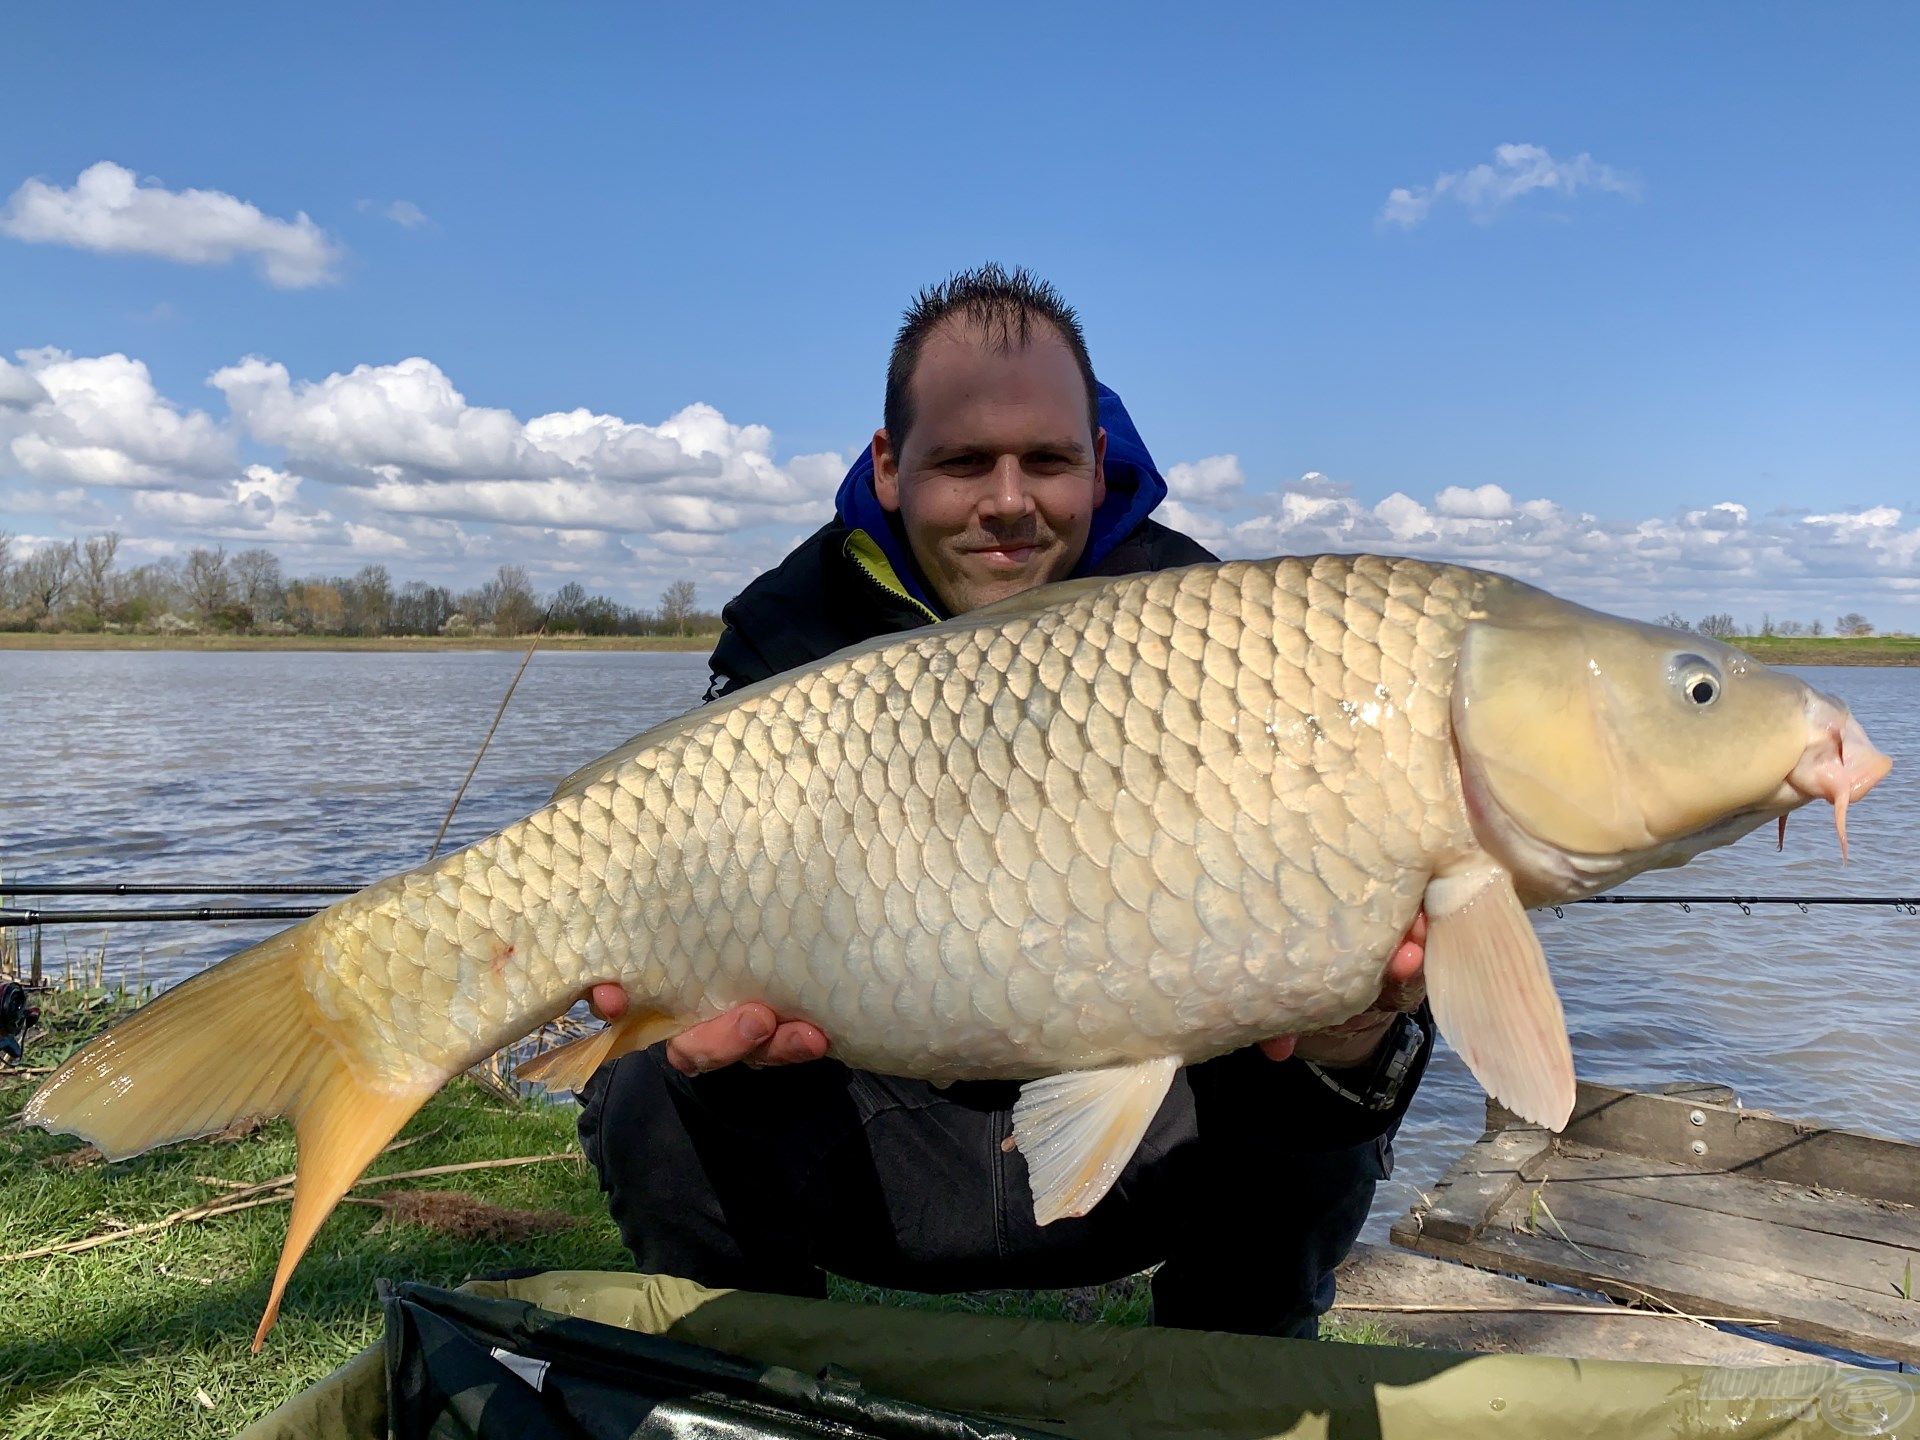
{"points": [[750, 1032], [1354, 1041]]}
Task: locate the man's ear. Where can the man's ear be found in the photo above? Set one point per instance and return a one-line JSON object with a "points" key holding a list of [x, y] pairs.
{"points": [[886, 472], [1099, 467]]}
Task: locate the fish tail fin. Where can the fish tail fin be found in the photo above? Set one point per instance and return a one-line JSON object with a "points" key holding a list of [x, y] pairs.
{"points": [[340, 1125], [242, 1039]]}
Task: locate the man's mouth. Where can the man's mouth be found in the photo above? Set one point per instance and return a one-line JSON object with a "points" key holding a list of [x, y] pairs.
{"points": [[1010, 555]]}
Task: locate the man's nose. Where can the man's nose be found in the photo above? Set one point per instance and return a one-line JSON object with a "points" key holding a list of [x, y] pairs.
{"points": [[1007, 496]]}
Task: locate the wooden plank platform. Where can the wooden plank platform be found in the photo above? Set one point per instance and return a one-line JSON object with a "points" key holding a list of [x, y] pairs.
{"points": [[1455, 1307], [1683, 1199]]}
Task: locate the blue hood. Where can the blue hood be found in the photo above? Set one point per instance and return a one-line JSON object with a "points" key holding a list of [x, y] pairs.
{"points": [[1134, 489]]}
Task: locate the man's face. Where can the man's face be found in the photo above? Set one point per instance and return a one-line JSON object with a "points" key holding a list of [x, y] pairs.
{"points": [[999, 478]]}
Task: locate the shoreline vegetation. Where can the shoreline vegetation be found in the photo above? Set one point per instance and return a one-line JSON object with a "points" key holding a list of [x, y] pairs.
{"points": [[131, 1290], [421, 644], [1773, 649]]}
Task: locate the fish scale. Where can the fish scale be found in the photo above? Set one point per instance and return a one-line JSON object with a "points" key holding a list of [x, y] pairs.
{"points": [[1069, 782]]}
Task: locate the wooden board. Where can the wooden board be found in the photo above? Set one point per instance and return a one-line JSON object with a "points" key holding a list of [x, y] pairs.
{"points": [[1497, 1315], [1689, 1201]]}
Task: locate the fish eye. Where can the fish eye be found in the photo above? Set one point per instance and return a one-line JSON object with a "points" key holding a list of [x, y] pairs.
{"points": [[1697, 678]]}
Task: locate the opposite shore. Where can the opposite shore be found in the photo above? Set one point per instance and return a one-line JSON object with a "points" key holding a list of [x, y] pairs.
{"points": [[95, 640], [1774, 649]]}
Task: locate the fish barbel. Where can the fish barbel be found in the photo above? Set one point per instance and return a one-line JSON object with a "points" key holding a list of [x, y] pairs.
{"points": [[1080, 837]]}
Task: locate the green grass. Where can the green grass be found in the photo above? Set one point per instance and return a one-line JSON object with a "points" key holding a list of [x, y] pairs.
{"points": [[121, 1340], [126, 1339], [1831, 650]]}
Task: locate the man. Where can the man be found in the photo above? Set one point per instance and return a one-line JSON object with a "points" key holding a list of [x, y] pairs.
{"points": [[1002, 465]]}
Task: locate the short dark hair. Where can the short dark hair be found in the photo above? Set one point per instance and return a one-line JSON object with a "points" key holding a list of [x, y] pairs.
{"points": [[1005, 305]]}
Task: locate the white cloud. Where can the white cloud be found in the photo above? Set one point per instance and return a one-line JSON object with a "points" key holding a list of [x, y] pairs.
{"points": [[1211, 482], [415, 444], [1516, 170], [407, 215], [1483, 502], [392, 462], [18, 389], [110, 211], [99, 421], [1713, 557]]}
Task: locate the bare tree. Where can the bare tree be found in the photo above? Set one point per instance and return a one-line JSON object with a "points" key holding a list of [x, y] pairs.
{"points": [[43, 577], [509, 599], [421, 609], [96, 572], [369, 600], [1673, 621], [315, 606], [1816, 629], [1792, 627], [1718, 626], [207, 582], [676, 605], [258, 584], [1853, 623]]}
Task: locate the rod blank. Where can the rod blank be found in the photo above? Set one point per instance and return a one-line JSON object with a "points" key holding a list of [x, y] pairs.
{"points": [[18, 919], [8, 887]]}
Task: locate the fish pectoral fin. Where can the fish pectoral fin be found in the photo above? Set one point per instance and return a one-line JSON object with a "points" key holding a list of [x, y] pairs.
{"points": [[1078, 1130], [570, 1066], [1492, 997]]}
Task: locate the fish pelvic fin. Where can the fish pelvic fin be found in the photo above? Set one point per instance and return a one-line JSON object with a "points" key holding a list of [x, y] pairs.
{"points": [[570, 1066], [1493, 997], [241, 1039], [1079, 1129]]}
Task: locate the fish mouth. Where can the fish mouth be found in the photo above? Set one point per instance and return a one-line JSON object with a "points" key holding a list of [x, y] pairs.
{"points": [[1840, 764]]}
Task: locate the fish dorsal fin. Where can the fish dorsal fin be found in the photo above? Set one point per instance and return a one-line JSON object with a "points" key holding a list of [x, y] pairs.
{"points": [[570, 1066], [1492, 996], [1078, 1130], [1027, 602]]}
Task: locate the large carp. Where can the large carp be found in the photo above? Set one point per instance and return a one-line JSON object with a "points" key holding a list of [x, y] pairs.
{"points": [[1081, 837]]}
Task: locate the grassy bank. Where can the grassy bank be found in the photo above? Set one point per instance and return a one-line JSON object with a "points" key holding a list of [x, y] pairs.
{"points": [[79, 640], [1802, 650], [148, 1335]]}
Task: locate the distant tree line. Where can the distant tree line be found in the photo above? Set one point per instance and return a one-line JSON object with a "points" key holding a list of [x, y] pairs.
{"points": [[79, 586], [1852, 625]]}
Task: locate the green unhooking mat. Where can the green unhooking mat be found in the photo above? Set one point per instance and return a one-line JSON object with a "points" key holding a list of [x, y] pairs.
{"points": [[584, 1355]]}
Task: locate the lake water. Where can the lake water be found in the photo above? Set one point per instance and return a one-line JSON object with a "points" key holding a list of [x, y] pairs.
{"points": [[179, 766]]}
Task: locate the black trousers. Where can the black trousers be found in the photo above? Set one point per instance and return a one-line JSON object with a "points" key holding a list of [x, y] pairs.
{"points": [[763, 1179]]}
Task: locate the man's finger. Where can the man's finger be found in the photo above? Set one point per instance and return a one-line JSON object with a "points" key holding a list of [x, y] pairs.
{"points": [[725, 1040], [795, 1043], [1405, 964], [607, 1000], [1279, 1047]]}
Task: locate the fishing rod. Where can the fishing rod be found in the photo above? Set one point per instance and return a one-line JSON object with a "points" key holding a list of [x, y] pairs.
{"points": [[8, 887], [16, 919], [23, 919]]}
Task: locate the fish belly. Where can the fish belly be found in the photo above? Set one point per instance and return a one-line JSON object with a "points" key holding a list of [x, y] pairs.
{"points": [[1165, 815]]}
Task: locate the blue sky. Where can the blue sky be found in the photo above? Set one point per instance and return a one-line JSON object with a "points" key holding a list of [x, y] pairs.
{"points": [[1707, 299]]}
